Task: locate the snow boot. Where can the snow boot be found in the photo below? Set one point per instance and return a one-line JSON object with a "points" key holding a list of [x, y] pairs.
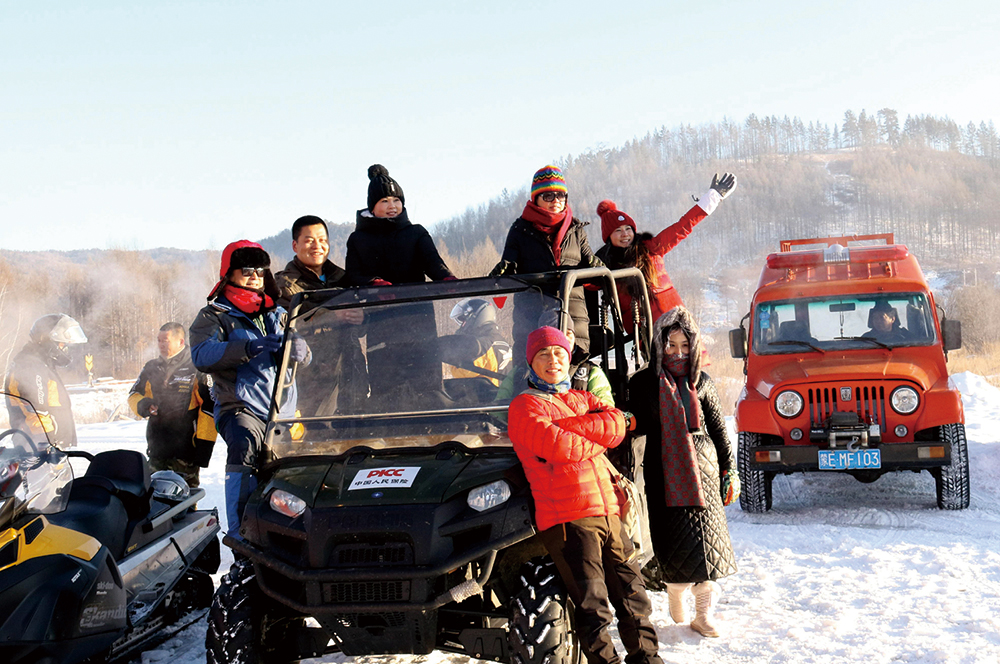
{"points": [[706, 594], [676, 594]]}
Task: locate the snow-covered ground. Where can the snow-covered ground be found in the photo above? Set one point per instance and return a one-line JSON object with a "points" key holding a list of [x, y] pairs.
{"points": [[838, 571]]}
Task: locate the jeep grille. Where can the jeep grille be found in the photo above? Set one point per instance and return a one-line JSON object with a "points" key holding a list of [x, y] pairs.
{"points": [[868, 402]]}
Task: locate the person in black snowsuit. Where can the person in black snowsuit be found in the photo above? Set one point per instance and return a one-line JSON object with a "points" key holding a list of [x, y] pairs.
{"points": [[337, 379], [386, 249], [176, 397], [33, 377], [689, 468], [544, 238]]}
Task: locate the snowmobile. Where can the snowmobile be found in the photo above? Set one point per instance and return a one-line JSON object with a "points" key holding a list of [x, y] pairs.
{"points": [[93, 567]]}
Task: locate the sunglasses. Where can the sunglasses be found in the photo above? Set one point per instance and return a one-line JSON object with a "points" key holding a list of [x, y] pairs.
{"points": [[250, 271], [550, 196]]}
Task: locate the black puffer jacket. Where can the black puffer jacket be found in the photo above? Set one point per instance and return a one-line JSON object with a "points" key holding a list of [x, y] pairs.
{"points": [[528, 250], [691, 544], [392, 249]]}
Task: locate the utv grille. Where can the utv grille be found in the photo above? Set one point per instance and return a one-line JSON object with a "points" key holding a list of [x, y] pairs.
{"points": [[868, 401], [366, 591], [353, 555]]}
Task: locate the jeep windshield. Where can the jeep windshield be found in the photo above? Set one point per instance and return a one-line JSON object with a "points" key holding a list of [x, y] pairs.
{"points": [[843, 322], [413, 365]]}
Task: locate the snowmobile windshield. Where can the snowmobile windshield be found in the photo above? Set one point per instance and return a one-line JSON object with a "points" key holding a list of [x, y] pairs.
{"points": [[843, 322], [34, 474], [390, 367]]}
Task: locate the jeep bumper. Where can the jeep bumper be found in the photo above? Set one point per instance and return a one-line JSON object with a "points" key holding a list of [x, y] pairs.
{"points": [[923, 455]]}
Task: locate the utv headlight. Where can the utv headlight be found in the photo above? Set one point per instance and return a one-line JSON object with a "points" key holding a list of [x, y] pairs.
{"points": [[904, 400], [488, 496], [285, 503], [789, 403]]}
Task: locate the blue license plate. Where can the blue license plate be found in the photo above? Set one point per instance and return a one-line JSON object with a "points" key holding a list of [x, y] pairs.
{"points": [[848, 460]]}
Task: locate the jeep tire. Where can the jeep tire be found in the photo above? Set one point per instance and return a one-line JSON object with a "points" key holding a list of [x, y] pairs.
{"points": [[952, 481], [540, 627], [755, 496]]}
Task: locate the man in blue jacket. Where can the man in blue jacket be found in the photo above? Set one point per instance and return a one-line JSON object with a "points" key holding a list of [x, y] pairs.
{"points": [[236, 338]]}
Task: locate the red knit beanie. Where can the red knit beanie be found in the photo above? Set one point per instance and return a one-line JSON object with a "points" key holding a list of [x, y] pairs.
{"points": [[612, 218], [544, 337]]}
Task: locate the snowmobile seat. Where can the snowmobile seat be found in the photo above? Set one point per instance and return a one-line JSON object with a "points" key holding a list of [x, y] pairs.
{"points": [[93, 510], [128, 474]]}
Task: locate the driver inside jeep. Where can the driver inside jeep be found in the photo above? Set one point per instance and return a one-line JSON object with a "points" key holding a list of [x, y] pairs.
{"points": [[883, 319]]}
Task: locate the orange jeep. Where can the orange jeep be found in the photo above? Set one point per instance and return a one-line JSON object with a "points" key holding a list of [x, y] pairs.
{"points": [[844, 357]]}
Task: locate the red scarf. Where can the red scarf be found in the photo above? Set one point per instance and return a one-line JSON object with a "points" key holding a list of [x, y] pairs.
{"points": [[551, 223], [249, 301], [681, 473]]}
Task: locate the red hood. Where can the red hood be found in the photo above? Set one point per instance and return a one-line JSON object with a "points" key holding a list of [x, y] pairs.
{"points": [[227, 257], [899, 364]]}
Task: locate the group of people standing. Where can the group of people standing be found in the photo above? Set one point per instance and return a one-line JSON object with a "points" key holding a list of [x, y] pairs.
{"points": [[561, 422]]}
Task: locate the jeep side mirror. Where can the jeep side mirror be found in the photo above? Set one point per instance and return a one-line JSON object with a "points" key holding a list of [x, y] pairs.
{"points": [[738, 343], [951, 331]]}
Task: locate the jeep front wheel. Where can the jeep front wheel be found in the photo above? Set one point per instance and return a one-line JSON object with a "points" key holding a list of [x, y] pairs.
{"points": [[755, 496], [540, 628], [952, 481]]}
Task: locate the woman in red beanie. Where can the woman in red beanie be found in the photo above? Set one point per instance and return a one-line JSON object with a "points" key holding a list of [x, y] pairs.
{"points": [[624, 248], [561, 436]]}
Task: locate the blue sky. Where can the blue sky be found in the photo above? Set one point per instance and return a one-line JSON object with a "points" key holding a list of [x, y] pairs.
{"points": [[191, 124]]}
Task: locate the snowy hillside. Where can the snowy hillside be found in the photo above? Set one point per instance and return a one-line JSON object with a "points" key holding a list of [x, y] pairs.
{"points": [[839, 571]]}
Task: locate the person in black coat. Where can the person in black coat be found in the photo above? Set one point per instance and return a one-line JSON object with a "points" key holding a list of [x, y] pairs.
{"points": [[544, 238], [386, 249], [688, 467]]}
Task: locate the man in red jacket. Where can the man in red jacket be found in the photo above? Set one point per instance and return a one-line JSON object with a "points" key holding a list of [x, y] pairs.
{"points": [[560, 435]]}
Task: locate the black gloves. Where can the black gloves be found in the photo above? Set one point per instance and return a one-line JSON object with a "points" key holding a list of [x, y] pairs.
{"points": [[725, 184], [271, 343], [502, 268]]}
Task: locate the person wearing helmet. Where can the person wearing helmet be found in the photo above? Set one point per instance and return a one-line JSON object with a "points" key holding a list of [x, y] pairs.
{"points": [[33, 376], [478, 348], [236, 338]]}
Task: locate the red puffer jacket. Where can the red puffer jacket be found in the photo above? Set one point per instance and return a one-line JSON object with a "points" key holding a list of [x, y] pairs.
{"points": [[560, 440]]}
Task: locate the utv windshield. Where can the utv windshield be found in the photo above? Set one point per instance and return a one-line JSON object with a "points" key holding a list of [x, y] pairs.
{"points": [[412, 365], [843, 322]]}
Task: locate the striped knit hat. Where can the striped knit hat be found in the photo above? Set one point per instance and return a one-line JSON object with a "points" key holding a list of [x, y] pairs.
{"points": [[547, 178]]}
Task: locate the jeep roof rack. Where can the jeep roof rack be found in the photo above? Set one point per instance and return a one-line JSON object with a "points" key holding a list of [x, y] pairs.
{"points": [[844, 240]]}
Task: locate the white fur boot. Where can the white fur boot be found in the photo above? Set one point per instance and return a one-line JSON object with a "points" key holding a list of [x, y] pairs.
{"points": [[706, 594], [676, 594]]}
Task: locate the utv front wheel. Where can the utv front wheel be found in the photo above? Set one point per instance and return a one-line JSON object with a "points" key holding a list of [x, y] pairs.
{"points": [[952, 481], [540, 628], [755, 496], [237, 622]]}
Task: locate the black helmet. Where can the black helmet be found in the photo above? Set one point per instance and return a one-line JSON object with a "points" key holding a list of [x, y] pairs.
{"points": [[55, 333], [169, 486], [473, 312]]}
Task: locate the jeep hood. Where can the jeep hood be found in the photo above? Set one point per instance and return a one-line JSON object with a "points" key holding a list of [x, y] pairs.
{"points": [[843, 366]]}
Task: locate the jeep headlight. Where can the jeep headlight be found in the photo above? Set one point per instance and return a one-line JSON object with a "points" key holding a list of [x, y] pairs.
{"points": [[488, 496], [789, 403], [286, 503], [904, 400]]}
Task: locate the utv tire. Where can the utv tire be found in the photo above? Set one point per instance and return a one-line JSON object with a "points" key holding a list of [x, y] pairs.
{"points": [[540, 629], [234, 634], [755, 496], [952, 481]]}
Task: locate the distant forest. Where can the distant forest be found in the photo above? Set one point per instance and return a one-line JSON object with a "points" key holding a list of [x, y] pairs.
{"points": [[929, 180]]}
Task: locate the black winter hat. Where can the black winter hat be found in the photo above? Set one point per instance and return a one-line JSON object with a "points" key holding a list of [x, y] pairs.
{"points": [[248, 257], [382, 186]]}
